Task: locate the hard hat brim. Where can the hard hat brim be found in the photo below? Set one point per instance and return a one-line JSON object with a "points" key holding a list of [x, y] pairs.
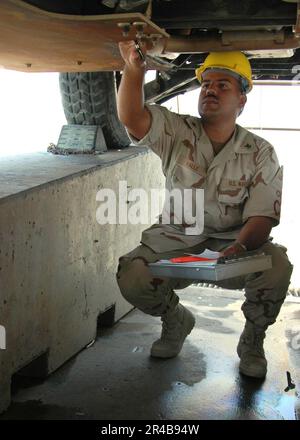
{"points": [[247, 86], [199, 72]]}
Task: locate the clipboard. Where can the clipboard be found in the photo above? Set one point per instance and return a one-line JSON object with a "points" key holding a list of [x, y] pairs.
{"points": [[214, 270]]}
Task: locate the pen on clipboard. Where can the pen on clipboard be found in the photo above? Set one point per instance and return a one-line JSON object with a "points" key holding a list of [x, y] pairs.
{"points": [[139, 50], [189, 259]]}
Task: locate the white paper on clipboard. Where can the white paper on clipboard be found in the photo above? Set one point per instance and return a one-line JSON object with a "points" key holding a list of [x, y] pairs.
{"points": [[207, 253]]}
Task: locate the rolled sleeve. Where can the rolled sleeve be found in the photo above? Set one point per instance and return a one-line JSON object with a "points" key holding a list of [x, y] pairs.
{"points": [[266, 188], [157, 125], [162, 133]]}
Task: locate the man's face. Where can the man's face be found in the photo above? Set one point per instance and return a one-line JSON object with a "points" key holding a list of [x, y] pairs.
{"points": [[220, 95]]}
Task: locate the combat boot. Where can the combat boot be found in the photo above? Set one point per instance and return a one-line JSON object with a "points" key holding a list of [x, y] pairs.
{"points": [[176, 325], [250, 350]]}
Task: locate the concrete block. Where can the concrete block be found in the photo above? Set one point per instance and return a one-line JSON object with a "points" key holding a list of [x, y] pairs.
{"points": [[58, 265]]}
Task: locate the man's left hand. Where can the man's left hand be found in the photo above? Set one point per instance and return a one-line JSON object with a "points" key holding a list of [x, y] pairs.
{"points": [[233, 249]]}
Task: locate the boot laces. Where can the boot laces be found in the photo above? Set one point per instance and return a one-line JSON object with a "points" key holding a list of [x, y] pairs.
{"points": [[255, 341], [171, 327]]}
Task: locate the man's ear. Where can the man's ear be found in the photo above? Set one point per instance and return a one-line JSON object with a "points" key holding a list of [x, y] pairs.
{"points": [[243, 100]]}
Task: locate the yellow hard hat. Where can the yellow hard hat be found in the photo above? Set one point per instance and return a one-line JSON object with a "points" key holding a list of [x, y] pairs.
{"points": [[236, 62]]}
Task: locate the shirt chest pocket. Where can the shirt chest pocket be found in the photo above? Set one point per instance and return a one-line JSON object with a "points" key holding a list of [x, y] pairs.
{"points": [[232, 192], [187, 177]]}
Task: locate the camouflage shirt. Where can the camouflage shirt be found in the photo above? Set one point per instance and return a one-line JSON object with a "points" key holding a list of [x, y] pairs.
{"points": [[243, 180]]}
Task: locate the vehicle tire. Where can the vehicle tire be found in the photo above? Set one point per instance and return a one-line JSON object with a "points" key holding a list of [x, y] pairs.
{"points": [[89, 98]]}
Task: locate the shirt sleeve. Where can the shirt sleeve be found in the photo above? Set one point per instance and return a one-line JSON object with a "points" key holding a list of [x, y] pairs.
{"points": [[162, 133], [266, 187]]}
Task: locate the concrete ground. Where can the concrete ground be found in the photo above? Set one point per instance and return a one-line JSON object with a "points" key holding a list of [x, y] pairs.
{"points": [[115, 379]]}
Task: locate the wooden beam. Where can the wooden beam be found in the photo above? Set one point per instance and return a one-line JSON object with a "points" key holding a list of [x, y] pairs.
{"points": [[33, 40]]}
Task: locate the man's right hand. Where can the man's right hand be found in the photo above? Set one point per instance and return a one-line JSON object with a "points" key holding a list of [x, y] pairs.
{"points": [[130, 54], [131, 109]]}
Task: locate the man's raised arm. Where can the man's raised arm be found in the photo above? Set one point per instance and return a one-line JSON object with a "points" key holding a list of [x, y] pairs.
{"points": [[130, 101]]}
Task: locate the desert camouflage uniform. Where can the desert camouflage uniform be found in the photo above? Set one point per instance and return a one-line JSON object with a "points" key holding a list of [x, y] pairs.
{"points": [[243, 180]]}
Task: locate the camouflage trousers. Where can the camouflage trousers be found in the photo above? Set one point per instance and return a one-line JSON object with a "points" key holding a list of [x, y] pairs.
{"points": [[264, 291]]}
